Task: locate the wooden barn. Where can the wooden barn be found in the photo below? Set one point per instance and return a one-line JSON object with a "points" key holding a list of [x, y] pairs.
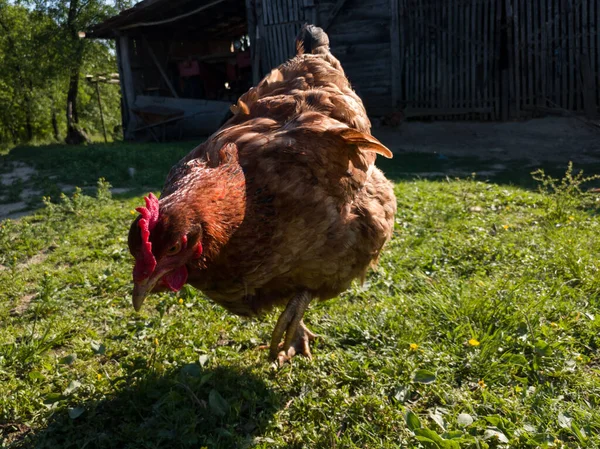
{"points": [[182, 63]]}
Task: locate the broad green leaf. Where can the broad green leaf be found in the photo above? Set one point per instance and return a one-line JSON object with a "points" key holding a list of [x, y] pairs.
{"points": [[98, 348], [191, 369], [438, 419], [36, 375], [542, 348], [412, 421], [217, 403], [67, 360], [518, 359], [52, 397], [424, 376], [73, 386]]}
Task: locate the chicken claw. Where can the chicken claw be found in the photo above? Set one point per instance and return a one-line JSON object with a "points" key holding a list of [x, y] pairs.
{"points": [[297, 335]]}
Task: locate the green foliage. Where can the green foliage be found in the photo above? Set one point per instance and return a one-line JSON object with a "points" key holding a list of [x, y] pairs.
{"points": [[566, 194], [36, 58], [479, 329]]}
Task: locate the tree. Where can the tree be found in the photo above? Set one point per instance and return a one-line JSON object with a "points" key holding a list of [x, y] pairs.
{"points": [[42, 64]]}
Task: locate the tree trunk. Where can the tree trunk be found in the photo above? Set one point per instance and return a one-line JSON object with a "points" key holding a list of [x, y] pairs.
{"points": [[28, 120], [55, 124], [75, 135]]}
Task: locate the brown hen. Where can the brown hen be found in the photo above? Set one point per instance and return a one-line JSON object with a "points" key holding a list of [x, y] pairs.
{"points": [[281, 206]]}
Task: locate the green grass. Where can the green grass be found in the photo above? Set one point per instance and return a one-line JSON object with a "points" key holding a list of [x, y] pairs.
{"points": [[480, 328]]}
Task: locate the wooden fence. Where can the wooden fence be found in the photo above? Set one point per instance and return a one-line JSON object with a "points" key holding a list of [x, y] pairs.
{"points": [[499, 59], [450, 59]]}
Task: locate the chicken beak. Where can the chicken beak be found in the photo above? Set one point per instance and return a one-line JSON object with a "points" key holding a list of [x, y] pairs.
{"points": [[141, 290]]}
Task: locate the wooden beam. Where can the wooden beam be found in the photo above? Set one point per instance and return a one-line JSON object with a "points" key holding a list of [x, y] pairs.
{"points": [[127, 86], [253, 34], [395, 51], [589, 88], [339, 4], [159, 67]]}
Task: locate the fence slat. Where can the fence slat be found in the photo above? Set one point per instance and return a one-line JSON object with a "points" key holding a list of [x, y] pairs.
{"points": [[544, 44]]}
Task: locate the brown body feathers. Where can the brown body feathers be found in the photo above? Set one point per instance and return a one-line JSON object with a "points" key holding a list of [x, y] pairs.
{"points": [[286, 192]]}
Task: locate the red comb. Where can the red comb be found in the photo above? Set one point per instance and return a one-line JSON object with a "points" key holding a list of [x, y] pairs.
{"points": [[146, 265]]}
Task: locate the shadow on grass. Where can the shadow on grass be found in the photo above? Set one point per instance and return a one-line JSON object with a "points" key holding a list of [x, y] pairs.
{"points": [[83, 165], [223, 407], [517, 172]]}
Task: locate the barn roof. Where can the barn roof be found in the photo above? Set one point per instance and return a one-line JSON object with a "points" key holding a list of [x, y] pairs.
{"points": [[211, 17]]}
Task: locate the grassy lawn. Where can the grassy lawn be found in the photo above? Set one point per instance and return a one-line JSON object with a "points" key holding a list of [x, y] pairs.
{"points": [[479, 329]]}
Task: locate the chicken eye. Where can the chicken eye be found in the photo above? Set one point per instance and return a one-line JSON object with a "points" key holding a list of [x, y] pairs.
{"points": [[174, 249]]}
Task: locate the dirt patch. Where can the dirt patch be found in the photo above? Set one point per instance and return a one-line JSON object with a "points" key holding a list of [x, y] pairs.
{"points": [[19, 172], [549, 139], [22, 305], [37, 259]]}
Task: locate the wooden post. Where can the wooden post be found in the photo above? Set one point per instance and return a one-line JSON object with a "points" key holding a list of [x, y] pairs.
{"points": [[159, 67], [253, 34], [127, 86], [395, 50], [101, 113]]}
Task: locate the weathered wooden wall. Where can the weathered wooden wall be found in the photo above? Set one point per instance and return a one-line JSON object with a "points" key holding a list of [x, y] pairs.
{"points": [[359, 35], [554, 49], [499, 59], [450, 52]]}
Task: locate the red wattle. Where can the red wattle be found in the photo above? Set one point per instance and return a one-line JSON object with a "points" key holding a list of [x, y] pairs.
{"points": [[176, 278]]}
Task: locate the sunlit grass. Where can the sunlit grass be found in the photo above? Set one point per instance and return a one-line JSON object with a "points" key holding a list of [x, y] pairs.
{"points": [[480, 328]]}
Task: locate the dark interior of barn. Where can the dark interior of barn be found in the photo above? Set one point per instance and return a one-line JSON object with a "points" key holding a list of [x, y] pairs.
{"points": [[194, 53]]}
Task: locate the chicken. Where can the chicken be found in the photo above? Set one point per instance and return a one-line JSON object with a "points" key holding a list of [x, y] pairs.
{"points": [[281, 206]]}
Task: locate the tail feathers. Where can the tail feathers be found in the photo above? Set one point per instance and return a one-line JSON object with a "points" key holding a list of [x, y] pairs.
{"points": [[311, 39]]}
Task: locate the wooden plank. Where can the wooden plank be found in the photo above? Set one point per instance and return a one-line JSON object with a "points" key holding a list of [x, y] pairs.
{"points": [[455, 53], [266, 7], [476, 22], [127, 87], [557, 54], [276, 5], [544, 49], [497, 70], [339, 4], [445, 74], [589, 90], [571, 66], [285, 7], [516, 55], [577, 29], [530, 73], [426, 48], [597, 52], [592, 39], [402, 49], [395, 50], [462, 58], [410, 33], [564, 16], [473, 44], [437, 93], [272, 46], [411, 112], [509, 89]]}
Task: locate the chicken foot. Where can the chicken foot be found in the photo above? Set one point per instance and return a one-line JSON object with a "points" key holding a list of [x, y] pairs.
{"points": [[297, 335]]}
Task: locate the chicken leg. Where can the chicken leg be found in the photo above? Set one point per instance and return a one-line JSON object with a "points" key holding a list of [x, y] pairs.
{"points": [[297, 335]]}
